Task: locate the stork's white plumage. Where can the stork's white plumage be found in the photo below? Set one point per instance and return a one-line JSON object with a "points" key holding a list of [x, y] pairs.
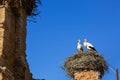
{"points": [[88, 45], [79, 46]]}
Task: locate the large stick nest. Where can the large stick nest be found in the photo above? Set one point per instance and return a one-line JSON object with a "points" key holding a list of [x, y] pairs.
{"points": [[83, 61], [30, 6]]}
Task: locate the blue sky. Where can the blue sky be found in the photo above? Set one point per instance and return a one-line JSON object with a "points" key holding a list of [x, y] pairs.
{"points": [[61, 23]]}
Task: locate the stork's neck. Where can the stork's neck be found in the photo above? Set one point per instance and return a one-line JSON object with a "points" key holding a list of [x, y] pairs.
{"points": [[78, 43], [85, 43]]}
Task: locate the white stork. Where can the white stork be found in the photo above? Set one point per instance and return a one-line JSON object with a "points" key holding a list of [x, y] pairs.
{"points": [[88, 45], [79, 46]]}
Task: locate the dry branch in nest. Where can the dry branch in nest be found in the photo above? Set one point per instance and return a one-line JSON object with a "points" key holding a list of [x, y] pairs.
{"points": [[90, 60]]}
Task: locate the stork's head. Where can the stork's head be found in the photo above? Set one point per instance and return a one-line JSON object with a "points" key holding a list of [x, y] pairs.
{"points": [[85, 40], [78, 41]]}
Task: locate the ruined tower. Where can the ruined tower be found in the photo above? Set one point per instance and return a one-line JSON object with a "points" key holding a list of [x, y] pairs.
{"points": [[85, 66], [13, 14]]}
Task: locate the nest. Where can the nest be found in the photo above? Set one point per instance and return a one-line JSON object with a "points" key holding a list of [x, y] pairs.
{"points": [[83, 61], [30, 6]]}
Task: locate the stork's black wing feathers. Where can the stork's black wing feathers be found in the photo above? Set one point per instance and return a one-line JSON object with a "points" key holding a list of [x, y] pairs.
{"points": [[81, 49], [92, 48]]}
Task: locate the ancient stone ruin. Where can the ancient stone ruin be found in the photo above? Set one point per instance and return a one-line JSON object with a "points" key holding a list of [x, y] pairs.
{"points": [[13, 14]]}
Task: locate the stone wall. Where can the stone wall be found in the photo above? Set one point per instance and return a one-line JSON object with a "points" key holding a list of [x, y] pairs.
{"points": [[13, 63], [87, 75]]}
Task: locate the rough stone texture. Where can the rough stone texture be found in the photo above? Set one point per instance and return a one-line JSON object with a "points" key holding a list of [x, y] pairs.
{"points": [[0, 76], [87, 75], [2, 15], [1, 40], [13, 63], [2, 19]]}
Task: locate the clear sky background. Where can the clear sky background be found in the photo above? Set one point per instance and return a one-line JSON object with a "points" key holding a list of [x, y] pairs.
{"points": [[61, 23]]}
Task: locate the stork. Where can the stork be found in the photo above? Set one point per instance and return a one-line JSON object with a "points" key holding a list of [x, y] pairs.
{"points": [[79, 46], [88, 45]]}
